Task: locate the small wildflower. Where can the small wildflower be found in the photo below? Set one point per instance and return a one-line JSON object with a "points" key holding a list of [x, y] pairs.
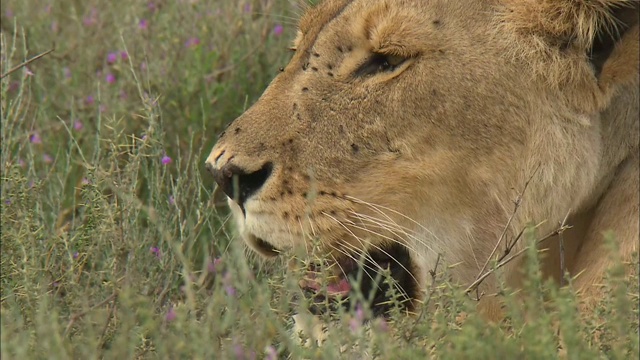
{"points": [[92, 19], [357, 320], [66, 72], [55, 284], [143, 66], [78, 125], [14, 86], [47, 158], [110, 78], [247, 7], [171, 314], [156, 251], [277, 30], [21, 163], [152, 6], [75, 255], [214, 266], [144, 137], [192, 42], [112, 58], [28, 72], [271, 353], [166, 160], [35, 138], [143, 24], [84, 181], [89, 100], [172, 200], [124, 56], [7, 202]]}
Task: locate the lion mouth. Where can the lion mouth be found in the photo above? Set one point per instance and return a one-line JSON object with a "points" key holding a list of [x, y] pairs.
{"points": [[384, 278]]}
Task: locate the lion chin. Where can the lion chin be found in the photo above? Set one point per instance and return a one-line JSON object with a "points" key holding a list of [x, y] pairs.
{"points": [[402, 133]]}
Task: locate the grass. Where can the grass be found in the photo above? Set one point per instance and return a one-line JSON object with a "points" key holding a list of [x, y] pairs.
{"points": [[111, 246]]}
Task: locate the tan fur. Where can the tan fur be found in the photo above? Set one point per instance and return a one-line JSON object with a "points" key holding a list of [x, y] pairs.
{"points": [[494, 93]]}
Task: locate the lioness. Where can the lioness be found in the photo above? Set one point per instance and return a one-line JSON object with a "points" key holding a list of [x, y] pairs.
{"points": [[402, 132]]}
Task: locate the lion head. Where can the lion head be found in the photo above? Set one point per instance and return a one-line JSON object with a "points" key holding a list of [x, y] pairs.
{"points": [[401, 131]]}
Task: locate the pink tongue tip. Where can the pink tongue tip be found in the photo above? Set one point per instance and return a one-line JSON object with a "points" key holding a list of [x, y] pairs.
{"points": [[342, 287]]}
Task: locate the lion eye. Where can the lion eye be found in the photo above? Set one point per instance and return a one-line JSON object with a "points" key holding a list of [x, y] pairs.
{"points": [[378, 63]]}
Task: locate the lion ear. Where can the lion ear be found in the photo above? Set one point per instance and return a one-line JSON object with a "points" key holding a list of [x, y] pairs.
{"points": [[614, 51]]}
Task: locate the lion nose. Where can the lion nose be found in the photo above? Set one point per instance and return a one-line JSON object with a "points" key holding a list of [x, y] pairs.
{"points": [[238, 183]]}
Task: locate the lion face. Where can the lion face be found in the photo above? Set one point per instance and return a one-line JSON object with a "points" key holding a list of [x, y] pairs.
{"points": [[399, 131]]}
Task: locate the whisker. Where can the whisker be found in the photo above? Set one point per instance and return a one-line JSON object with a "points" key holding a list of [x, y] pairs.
{"points": [[391, 228], [378, 207]]}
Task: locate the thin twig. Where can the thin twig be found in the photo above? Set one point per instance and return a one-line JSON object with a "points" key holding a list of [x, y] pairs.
{"points": [[503, 260], [516, 206], [76, 317], [25, 63], [561, 238], [433, 274]]}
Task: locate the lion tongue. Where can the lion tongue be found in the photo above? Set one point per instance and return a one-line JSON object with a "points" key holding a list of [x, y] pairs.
{"points": [[339, 288]]}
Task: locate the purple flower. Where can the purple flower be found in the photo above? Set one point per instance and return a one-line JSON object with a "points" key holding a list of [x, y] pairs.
{"points": [[78, 125], [166, 160], [84, 181], [228, 288], [21, 163], [28, 72], [35, 138], [152, 6], [112, 58], [143, 138], [143, 66], [192, 42], [271, 353], [214, 266], [143, 24], [110, 78], [156, 251], [277, 30], [247, 7], [66, 72], [172, 200], [171, 314], [92, 19], [14, 86], [358, 319], [47, 158], [75, 255], [124, 55], [89, 100], [7, 202]]}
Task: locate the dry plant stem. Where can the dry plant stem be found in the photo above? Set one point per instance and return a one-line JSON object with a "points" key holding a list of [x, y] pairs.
{"points": [[27, 62], [517, 203], [433, 274], [77, 316], [503, 260], [561, 239]]}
